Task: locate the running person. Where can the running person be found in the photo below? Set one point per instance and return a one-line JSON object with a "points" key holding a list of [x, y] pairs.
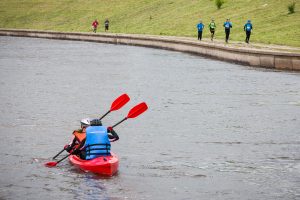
{"points": [[106, 25], [200, 28], [95, 25], [228, 26], [248, 28], [212, 28]]}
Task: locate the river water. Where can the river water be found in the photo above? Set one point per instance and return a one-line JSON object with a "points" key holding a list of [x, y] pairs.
{"points": [[214, 130]]}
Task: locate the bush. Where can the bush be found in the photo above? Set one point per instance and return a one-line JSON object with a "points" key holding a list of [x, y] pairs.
{"points": [[291, 7], [219, 3]]}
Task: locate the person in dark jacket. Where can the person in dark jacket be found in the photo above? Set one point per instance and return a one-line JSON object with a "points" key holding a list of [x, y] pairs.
{"points": [[106, 24], [228, 26], [248, 28]]}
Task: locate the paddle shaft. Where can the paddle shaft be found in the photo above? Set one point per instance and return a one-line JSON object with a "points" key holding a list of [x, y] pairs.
{"points": [[105, 115], [58, 154], [63, 158], [119, 122]]}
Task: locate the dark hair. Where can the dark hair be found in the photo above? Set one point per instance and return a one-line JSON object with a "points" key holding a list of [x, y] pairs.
{"points": [[96, 122]]}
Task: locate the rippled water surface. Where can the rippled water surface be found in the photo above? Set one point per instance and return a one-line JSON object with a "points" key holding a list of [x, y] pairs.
{"points": [[213, 130]]}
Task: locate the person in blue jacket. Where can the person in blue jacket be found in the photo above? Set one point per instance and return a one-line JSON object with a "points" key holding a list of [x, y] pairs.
{"points": [[248, 28], [200, 28], [228, 26]]}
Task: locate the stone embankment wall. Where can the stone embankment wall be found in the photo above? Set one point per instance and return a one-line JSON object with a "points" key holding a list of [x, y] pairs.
{"points": [[249, 56]]}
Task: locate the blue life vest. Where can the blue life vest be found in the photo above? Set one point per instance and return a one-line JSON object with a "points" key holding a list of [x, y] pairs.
{"points": [[248, 27], [200, 26], [227, 25], [97, 142]]}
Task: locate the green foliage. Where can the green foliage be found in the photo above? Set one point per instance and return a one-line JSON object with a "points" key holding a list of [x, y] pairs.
{"points": [[291, 7], [219, 3]]}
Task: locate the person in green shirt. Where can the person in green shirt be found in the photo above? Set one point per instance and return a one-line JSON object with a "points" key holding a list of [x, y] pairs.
{"points": [[212, 28]]}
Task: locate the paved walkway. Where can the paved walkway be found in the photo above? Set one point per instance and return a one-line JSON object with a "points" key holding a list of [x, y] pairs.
{"points": [[221, 43], [242, 45]]}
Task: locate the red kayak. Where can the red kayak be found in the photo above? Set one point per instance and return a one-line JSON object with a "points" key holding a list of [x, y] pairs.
{"points": [[103, 165]]}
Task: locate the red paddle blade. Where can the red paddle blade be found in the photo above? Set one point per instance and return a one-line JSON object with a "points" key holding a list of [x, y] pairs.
{"points": [[137, 110], [50, 164], [119, 102]]}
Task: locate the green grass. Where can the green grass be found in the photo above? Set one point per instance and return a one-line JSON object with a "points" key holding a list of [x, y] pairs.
{"points": [[271, 21]]}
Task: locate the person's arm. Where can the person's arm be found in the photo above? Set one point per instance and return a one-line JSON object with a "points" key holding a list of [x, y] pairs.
{"points": [[114, 136], [69, 147], [80, 148]]}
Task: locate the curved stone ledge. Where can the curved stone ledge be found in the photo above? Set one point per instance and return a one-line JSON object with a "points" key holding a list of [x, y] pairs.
{"points": [[252, 57]]}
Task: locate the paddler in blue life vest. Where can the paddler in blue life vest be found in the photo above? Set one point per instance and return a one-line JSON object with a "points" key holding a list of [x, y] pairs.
{"points": [[248, 28], [81, 136], [96, 144]]}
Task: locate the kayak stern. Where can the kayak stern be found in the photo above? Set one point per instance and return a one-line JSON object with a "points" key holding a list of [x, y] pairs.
{"points": [[103, 165]]}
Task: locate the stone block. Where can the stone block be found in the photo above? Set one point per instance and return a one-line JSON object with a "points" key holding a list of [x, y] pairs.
{"points": [[283, 62], [267, 61], [296, 64]]}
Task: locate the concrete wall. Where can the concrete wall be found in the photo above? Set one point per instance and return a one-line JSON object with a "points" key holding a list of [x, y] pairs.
{"points": [[252, 57]]}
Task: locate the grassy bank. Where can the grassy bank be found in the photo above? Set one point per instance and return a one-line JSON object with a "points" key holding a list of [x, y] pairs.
{"points": [[271, 21]]}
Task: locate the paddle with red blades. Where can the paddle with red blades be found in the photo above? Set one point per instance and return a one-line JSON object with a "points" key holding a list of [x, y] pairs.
{"points": [[134, 112], [54, 163], [116, 105]]}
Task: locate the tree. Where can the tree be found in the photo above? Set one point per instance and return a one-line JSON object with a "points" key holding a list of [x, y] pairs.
{"points": [[219, 3], [291, 7]]}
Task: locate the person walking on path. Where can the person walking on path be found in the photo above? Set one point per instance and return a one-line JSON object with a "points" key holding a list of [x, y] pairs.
{"points": [[106, 24], [248, 28], [212, 28], [228, 26], [200, 28], [95, 25]]}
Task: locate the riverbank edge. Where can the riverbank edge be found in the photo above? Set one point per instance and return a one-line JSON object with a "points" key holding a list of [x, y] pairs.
{"points": [[249, 56]]}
